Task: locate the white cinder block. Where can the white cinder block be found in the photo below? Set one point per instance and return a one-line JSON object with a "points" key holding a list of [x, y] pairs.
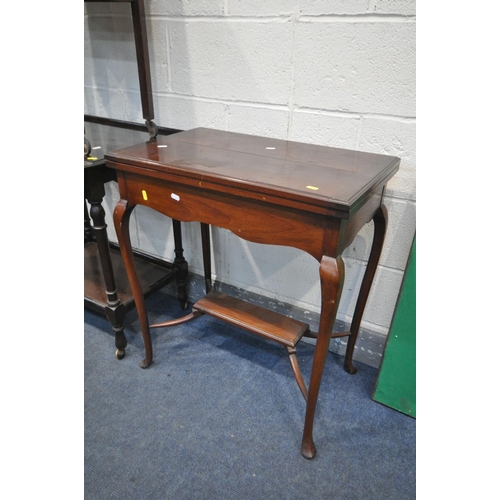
{"points": [[108, 205], [266, 122], [403, 7], [112, 192], [158, 54], [218, 247], [400, 233], [287, 7], [261, 8], [326, 7], [360, 248], [185, 8], [155, 234], [352, 283], [396, 138], [133, 107], [186, 113], [90, 8], [398, 238], [104, 102], [191, 241], [232, 61], [155, 237], [291, 276], [382, 298], [270, 270], [390, 137], [356, 67], [124, 8], [325, 129], [403, 184], [106, 8], [109, 53]]}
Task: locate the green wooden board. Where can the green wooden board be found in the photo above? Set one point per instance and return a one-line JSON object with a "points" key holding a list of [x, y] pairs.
{"points": [[396, 382]]}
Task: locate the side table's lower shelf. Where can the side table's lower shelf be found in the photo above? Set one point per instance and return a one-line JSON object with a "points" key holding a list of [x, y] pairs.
{"points": [[153, 275], [256, 319]]}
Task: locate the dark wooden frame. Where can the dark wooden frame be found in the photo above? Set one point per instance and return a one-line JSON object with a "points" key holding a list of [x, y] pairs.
{"points": [[142, 55]]}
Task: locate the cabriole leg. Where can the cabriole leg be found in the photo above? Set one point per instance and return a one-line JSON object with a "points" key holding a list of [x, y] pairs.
{"points": [[380, 222], [332, 274], [121, 218]]}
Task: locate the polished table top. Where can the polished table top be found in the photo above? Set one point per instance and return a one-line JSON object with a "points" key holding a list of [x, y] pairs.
{"points": [[323, 177]]}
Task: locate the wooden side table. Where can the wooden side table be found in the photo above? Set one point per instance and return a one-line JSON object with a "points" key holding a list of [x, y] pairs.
{"points": [[267, 191]]}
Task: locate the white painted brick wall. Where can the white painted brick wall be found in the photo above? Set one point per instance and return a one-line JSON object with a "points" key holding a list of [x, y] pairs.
{"points": [[332, 72], [360, 67], [235, 61]]}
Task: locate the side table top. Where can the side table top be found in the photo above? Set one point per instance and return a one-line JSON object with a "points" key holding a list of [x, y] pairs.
{"points": [[320, 175]]}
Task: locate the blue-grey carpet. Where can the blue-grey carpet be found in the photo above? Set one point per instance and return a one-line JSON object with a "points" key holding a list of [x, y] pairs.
{"points": [[218, 415]]}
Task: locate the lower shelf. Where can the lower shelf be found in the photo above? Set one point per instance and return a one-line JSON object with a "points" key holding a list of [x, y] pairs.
{"points": [[256, 319], [153, 275]]}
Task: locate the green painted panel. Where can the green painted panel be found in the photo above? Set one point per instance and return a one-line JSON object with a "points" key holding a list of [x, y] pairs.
{"points": [[396, 382]]}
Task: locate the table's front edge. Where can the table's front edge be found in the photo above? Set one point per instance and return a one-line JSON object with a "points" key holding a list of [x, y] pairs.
{"points": [[240, 188]]}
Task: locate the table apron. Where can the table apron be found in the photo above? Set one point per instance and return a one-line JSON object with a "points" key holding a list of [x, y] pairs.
{"points": [[250, 219]]}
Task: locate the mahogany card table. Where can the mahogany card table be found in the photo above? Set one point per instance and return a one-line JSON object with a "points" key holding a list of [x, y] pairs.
{"points": [[268, 191]]}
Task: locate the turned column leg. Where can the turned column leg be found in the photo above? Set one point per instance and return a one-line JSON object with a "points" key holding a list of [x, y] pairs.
{"points": [[180, 265], [207, 259], [114, 310], [331, 273], [121, 218], [380, 222]]}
